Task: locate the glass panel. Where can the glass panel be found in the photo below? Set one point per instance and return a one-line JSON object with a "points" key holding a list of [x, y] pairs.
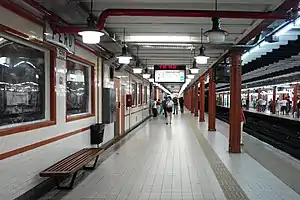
{"points": [[134, 97], [145, 94], [22, 83], [77, 88]]}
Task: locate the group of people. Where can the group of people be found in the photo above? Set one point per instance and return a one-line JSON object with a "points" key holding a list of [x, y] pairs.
{"points": [[167, 107]]}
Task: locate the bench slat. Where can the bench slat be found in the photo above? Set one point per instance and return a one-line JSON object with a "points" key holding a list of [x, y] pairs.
{"points": [[81, 161], [72, 163], [65, 160]]}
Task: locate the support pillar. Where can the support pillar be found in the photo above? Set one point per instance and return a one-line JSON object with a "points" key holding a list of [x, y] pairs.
{"points": [[258, 98], [274, 100], [212, 102], [196, 100], [202, 99], [192, 99], [235, 103], [295, 98]]}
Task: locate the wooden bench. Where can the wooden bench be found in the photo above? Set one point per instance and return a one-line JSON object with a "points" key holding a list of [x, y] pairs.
{"points": [[70, 165]]}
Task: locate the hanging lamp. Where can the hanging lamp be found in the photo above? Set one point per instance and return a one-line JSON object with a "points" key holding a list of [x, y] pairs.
{"points": [[216, 35], [124, 58], [201, 58], [189, 74], [146, 74], [194, 69], [137, 69], [91, 35]]}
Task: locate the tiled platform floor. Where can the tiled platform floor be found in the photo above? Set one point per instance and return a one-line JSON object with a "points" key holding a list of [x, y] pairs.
{"points": [[179, 161]]}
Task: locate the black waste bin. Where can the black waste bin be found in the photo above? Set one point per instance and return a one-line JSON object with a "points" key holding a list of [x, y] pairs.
{"points": [[97, 132]]}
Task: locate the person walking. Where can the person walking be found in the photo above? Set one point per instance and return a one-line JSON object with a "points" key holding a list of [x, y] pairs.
{"points": [[278, 107], [154, 108], [243, 120], [169, 109], [158, 104], [175, 101], [283, 104], [181, 102], [163, 107]]}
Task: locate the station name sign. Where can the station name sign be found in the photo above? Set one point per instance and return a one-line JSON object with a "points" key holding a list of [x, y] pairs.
{"points": [[66, 41]]}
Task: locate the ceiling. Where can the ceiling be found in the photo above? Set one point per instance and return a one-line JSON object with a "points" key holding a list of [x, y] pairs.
{"points": [[158, 50]]}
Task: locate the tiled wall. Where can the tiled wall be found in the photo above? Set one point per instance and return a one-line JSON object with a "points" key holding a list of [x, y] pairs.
{"points": [[20, 172]]}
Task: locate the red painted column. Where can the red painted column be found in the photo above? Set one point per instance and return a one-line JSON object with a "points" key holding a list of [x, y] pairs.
{"points": [[192, 99], [189, 102], [196, 100], [274, 100], [212, 102], [295, 98], [235, 103], [202, 99]]}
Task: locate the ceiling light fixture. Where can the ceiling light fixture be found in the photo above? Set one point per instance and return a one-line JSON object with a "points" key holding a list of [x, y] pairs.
{"points": [[91, 35], [216, 35], [201, 58], [146, 74], [124, 58], [194, 69], [160, 38], [137, 69]]}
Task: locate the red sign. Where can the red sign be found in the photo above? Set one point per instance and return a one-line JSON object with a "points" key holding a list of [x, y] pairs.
{"points": [[168, 67]]}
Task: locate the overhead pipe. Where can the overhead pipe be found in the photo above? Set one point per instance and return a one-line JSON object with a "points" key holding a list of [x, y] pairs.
{"points": [[175, 13]]}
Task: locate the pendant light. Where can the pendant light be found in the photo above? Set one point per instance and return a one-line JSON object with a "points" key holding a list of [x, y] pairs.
{"points": [[201, 58], [194, 69], [137, 69], [146, 74], [189, 74], [124, 58], [216, 35], [92, 35]]}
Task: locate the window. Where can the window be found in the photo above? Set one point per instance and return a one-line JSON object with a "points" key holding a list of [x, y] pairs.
{"points": [[145, 94], [140, 94], [22, 83], [78, 96], [134, 93]]}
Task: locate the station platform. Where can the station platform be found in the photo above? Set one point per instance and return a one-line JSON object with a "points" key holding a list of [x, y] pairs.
{"points": [[185, 161], [280, 115]]}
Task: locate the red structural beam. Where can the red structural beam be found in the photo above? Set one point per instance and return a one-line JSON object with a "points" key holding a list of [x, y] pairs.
{"points": [[212, 102], [235, 103], [176, 13], [202, 98], [196, 101]]}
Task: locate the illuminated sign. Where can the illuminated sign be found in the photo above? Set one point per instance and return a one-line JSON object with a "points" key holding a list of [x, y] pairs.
{"points": [[169, 73]]}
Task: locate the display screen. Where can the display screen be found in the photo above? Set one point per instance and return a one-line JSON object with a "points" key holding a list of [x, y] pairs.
{"points": [[169, 74]]}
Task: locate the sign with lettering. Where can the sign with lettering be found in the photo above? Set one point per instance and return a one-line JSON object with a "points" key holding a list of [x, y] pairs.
{"points": [[169, 73], [64, 40]]}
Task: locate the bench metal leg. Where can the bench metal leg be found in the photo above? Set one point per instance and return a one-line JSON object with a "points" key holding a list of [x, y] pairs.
{"points": [[67, 187], [94, 165]]}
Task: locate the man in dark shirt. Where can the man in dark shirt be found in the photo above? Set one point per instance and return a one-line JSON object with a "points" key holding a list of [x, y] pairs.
{"points": [[175, 100], [163, 106], [181, 104]]}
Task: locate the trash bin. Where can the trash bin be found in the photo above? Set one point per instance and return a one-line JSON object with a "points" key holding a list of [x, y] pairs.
{"points": [[97, 132]]}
